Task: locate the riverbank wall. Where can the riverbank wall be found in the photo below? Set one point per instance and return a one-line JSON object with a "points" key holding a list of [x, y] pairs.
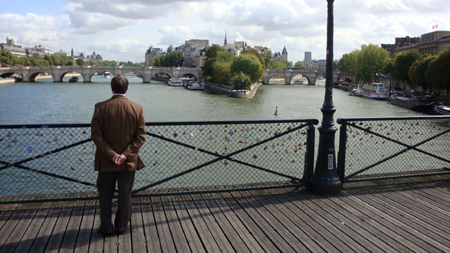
{"points": [[7, 81], [227, 90]]}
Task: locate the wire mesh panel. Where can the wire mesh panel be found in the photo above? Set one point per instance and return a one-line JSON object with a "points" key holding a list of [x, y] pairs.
{"points": [[393, 147], [57, 161]]}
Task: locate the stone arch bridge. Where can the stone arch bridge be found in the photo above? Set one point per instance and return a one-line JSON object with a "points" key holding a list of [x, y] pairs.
{"points": [[288, 74], [29, 74]]}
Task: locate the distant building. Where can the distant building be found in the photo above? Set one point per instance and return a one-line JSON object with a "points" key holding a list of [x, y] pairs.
{"points": [[308, 56], [194, 52], [283, 56], [40, 50], [14, 49], [151, 54], [400, 42], [429, 43], [94, 57], [61, 53]]}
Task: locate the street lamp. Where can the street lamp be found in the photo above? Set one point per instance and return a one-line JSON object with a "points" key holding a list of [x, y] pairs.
{"points": [[325, 179]]}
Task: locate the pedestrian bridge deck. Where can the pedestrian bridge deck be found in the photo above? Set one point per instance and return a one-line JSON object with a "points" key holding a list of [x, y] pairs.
{"points": [[402, 215]]}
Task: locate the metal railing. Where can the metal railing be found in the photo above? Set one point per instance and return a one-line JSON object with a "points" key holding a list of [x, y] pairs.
{"points": [[56, 162], [381, 148]]}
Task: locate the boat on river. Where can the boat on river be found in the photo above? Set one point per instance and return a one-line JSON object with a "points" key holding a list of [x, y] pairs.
{"points": [[73, 79], [107, 75], [374, 90], [194, 86], [442, 109], [415, 102]]}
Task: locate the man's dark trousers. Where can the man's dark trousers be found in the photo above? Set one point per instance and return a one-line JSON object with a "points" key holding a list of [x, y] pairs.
{"points": [[106, 183]]}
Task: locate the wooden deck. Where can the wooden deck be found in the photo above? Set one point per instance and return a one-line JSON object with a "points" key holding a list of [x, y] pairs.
{"points": [[408, 215]]}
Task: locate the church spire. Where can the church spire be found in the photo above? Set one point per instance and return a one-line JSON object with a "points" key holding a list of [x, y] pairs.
{"points": [[225, 41]]}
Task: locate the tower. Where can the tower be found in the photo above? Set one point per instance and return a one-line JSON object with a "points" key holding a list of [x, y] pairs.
{"points": [[284, 55], [225, 41]]}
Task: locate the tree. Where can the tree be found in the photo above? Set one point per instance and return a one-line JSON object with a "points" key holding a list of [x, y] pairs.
{"points": [[267, 55], [403, 62], [214, 53], [249, 65], [257, 54], [80, 61], [221, 71], [349, 62], [278, 65], [437, 74], [370, 61], [299, 65]]}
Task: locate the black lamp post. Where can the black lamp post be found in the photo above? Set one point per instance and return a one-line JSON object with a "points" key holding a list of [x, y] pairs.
{"points": [[325, 179]]}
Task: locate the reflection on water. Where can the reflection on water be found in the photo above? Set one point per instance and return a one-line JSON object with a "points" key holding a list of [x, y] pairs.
{"points": [[48, 102]]}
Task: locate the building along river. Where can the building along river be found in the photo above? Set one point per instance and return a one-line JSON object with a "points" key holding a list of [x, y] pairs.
{"points": [[46, 102]]}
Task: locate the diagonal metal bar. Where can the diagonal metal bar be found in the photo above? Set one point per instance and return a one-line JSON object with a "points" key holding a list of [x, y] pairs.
{"points": [[414, 146], [219, 157], [408, 147], [48, 153], [53, 175]]}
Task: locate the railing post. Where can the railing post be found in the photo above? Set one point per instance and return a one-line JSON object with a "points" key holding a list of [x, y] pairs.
{"points": [[309, 155], [342, 149]]}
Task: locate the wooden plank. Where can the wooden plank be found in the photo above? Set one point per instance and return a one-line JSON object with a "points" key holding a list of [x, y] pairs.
{"points": [[137, 227], [165, 236], [34, 228], [46, 230], [264, 220], [207, 239], [19, 230], [237, 224], [261, 236], [350, 220], [214, 228], [188, 227], [73, 227], [97, 239], [405, 217], [179, 239], [151, 233], [398, 231], [86, 227], [11, 223], [306, 230], [319, 213], [59, 230], [230, 233]]}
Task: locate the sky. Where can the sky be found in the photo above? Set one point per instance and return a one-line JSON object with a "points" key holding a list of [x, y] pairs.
{"points": [[123, 30]]}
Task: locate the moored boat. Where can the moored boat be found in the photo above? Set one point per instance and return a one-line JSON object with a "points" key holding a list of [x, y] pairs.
{"points": [[175, 82], [415, 102], [73, 79], [374, 90], [442, 109], [107, 75], [194, 86]]}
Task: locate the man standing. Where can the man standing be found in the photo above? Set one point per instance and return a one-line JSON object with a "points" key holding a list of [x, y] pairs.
{"points": [[118, 131]]}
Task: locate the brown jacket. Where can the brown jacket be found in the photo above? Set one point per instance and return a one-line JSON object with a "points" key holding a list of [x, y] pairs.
{"points": [[118, 127]]}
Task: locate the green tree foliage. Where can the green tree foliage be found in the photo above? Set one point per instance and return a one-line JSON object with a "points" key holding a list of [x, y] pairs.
{"points": [[299, 65], [80, 61], [278, 65], [389, 65], [221, 71], [403, 63], [249, 65], [172, 59], [349, 62], [236, 81], [267, 55], [213, 54], [438, 74], [417, 71], [370, 61], [257, 54]]}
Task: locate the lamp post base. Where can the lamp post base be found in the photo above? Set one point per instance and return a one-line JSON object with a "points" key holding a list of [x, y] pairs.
{"points": [[326, 186]]}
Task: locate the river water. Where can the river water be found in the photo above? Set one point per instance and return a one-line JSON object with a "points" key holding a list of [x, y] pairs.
{"points": [[47, 102]]}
